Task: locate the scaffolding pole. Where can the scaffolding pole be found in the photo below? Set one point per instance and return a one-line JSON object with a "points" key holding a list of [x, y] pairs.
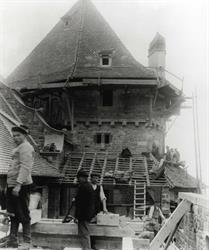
{"points": [[196, 141]]}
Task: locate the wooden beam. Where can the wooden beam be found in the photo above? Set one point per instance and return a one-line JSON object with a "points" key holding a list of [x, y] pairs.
{"points": [[196, 199], [66, 99], [103, 168], [44, 201], [56, 227], [150, 109], [92, 166], [170, 225], [151, 82], [72, 114], [146, 171], [80, 164]]}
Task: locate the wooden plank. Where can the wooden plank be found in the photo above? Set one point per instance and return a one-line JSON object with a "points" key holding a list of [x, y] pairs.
{"points": [[80, 165], [146, 171], [72, 241], [170, 225], [54, 227], [44, 201], [196, 199], [92, 165], [103, 168], [121, 81]]}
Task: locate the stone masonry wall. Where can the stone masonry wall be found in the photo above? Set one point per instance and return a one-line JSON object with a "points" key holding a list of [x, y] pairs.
{"points": [[194, 229], [127, 104], [126, 120], [137, 139]]}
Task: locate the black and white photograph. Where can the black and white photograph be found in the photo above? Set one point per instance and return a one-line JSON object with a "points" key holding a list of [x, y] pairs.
{"points": [[104, 124]]}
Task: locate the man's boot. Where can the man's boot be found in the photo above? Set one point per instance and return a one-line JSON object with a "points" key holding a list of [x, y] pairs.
{"points": [[26, 237], [12, 239]]}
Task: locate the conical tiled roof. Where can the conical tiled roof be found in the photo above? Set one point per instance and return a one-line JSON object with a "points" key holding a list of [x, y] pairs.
{"points": [[158, 43], [71, 50]]}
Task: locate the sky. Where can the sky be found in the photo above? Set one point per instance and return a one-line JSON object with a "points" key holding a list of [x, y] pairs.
{"points": [[184, 24]]}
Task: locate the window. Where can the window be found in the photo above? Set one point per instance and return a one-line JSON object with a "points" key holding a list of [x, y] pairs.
{"points": [[103, 138], [107, 98], [99, 138], [66, 20], [106, 57], [105, 61], [106, 138]]}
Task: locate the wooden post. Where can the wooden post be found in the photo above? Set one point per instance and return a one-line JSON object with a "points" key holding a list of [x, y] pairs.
{"points": [[195, 143], [150, 110], [70, 108], [45, 199], [57, 202], [72, 114]]}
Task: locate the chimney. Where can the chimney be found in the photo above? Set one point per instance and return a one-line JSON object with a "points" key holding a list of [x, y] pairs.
{"points": [[157, 53]]}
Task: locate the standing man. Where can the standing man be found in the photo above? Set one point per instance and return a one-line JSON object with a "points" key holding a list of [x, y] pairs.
{"points": [[19, 181], [84, 208]]}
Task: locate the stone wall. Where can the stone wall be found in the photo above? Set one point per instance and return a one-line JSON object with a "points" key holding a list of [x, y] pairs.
{"points": [[193, 233], [137, 139], [127, 120], [132, 103]]}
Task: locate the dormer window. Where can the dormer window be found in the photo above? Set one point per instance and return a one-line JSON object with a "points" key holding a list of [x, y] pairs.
{"points": [[106, 58], [66, 20], [106, 61], [66, 23]]}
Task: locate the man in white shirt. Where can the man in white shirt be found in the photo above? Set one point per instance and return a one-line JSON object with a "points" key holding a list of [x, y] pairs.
{"points": [[99, 196], [99, 201], [19, 182]]}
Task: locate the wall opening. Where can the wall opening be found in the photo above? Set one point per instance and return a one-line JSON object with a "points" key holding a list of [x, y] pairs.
{"points": [[107, 98]]}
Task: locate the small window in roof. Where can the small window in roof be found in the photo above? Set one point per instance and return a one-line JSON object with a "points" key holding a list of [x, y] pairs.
{"points": [[106, 58], [66, 20]]}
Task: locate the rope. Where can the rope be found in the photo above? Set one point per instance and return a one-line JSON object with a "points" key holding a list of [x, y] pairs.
{"points": [[70, 76]]}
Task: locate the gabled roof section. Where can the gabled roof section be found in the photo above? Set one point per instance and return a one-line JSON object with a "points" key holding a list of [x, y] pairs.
{"points": [[71, 50], [8, 119], [179, 178], [40, 168]]}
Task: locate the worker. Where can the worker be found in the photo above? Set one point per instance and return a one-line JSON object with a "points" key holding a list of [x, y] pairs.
{"points": [[84, 208], [99, 196], [168, 154], [126, 153], [19, 182]]}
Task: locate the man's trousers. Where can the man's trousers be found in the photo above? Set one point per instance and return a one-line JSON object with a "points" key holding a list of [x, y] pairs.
{"points": [[19, 206], [83, 232]]}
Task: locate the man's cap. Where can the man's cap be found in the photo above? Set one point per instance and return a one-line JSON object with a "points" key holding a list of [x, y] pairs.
{"points": [[21, 129], [95, 174], [82, 173]]}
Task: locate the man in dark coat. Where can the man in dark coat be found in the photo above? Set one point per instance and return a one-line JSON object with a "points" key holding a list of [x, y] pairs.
{"points": [[84, 208]]}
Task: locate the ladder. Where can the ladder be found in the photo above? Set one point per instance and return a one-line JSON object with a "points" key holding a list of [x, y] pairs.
{"points": [[139, 199]]}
